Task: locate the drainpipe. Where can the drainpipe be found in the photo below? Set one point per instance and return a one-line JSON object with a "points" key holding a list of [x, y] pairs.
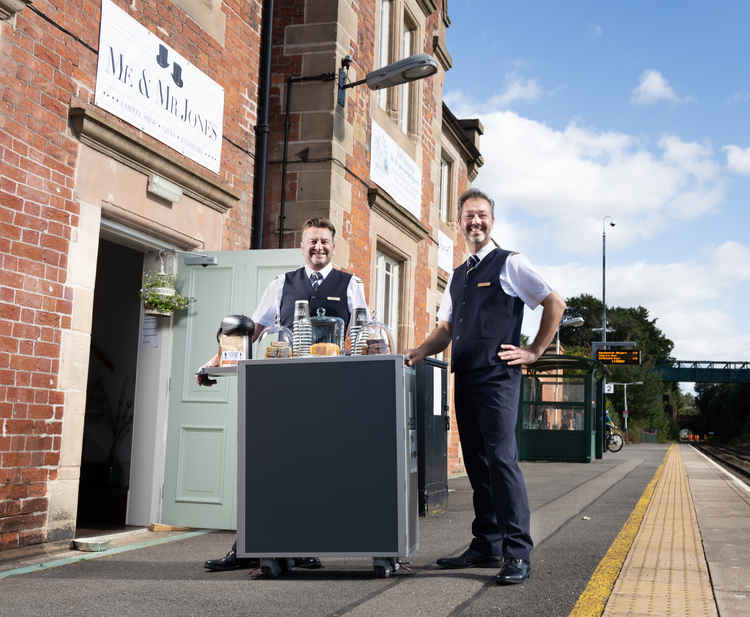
{"points": [[261, 128]]}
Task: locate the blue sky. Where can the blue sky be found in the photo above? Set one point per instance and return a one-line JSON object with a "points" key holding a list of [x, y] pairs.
{"points": [[635, 110]]}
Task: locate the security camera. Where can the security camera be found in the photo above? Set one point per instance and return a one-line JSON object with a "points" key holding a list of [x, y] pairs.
{"points": [[611, 223]]}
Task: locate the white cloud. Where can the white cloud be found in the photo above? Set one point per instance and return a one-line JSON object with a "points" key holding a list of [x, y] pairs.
{"points": [[597, 30], [568, 179], [517, 88], [685, 297], [653, 87], [740, 97], [738, 159]]}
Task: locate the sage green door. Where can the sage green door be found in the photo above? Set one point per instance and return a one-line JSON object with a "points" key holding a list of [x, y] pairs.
{"points": [[201, 455]]}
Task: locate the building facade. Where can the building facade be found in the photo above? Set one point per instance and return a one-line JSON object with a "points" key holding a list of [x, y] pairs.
{"points": [[116, 161]]}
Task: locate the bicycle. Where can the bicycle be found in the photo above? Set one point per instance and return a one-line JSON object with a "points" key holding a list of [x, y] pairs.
{"points": [[613, 436]]}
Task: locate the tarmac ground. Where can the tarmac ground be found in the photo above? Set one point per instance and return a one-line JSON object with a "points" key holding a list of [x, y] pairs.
{"points": [[578, 510]]}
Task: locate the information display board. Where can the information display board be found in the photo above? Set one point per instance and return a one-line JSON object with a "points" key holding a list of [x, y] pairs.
{"points": [[618, 356]]}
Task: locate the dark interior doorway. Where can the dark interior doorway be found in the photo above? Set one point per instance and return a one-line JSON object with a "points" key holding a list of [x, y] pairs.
{"points": [[108, 423]]}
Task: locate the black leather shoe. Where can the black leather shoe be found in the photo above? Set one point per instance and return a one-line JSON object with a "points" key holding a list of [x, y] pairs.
{"points": [[514, 571], [309, 563], [230, 561], [471, 558]]}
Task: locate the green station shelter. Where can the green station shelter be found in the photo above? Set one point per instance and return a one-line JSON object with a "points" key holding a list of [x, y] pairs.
{"points": [[558, 414]]}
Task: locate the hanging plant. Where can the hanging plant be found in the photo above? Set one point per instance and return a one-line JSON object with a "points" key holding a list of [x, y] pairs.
{"points": [[159, 295]]}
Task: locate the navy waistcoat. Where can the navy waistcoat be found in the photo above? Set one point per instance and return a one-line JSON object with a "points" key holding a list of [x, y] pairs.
{"points": [[331, 295], [484, 316]]}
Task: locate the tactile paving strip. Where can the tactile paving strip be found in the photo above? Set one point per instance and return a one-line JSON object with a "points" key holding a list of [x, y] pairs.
{"points": [[665, 573]]}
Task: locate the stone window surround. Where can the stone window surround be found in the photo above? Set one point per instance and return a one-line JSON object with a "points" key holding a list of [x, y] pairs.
{"points": [[401, 11], [396, 233], [8, 8], [449, 156], [100, 131]]}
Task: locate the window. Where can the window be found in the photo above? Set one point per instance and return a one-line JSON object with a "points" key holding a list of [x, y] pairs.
{"points": [[384, 54], [446, 169], [387, 293], [408, 38]]}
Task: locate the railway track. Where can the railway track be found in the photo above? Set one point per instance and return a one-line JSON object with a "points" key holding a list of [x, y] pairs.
{"points": [[736, 459]]}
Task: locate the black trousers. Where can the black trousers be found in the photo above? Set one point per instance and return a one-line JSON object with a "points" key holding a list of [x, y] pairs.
{"points": [[486, 411]]}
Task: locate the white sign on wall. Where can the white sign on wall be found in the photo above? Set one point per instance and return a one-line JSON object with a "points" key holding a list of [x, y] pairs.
{"points": [[445, 252], [148, 84], [395, 171]]}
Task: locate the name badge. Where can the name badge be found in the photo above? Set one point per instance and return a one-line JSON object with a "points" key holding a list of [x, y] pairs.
{"points": [[487, 284], [333, 298]]}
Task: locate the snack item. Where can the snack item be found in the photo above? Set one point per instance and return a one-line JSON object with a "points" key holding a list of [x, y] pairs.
{"points": [[375, 347], [279, 349], [325, 349]]}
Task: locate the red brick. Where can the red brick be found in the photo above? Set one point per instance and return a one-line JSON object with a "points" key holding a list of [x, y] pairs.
{"points": [[11, 279], [8, 344], [40, 412], [24, 298], [8, 311], [9, 540], [19, 427], [15, 459]]}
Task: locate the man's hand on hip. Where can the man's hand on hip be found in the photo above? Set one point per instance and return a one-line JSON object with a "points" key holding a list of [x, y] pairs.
{"points": [[517, 355]]}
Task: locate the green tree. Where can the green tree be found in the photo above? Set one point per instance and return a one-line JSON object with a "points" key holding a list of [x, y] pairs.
{"points": [[645, 402]]}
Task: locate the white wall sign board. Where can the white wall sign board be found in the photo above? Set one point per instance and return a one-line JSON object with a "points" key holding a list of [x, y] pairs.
{"points": [[148, 84], [437, 391], [395, 171], [445, 252]]}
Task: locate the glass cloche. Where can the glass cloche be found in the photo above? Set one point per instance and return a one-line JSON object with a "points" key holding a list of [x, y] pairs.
{"points": [[373, 339], [326, 334], [275, 342]]}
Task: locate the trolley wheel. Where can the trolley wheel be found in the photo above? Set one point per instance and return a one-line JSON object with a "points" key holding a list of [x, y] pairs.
{"points": [[615, 442], [273, 568], [382, 572]]}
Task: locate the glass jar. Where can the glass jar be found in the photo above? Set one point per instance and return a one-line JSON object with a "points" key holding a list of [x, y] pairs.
{"points": [[326, 334], [275, 342], [373, 339]]}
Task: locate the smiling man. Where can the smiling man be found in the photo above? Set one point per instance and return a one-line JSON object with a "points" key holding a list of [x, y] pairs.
{"points": [[323, 286], [481, 314]]}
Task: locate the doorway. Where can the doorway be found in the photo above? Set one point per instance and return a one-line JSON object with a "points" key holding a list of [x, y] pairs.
{"points": [[113, 359]]}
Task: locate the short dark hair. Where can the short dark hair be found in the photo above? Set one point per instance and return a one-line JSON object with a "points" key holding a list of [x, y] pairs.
{"points": [[320, 222], [473, 193]]}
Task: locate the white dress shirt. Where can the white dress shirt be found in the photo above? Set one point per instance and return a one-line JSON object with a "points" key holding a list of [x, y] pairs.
{"points": [[270, 304], [517, 278]]}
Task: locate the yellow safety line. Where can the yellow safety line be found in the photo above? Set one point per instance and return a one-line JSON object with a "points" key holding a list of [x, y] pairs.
{"points": [[594, 598]]}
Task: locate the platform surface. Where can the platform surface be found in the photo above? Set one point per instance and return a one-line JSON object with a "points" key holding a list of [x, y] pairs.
{"points": [[688, 554]]}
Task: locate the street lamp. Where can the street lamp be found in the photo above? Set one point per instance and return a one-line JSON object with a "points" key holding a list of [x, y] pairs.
{"points": [[625, 413], [611, 221], [571, 322], [412, 68], [409, 69]]}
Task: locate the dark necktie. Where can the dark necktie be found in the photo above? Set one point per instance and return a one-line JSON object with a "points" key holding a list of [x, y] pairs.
{"points": [[471, 263], [315, 279]]}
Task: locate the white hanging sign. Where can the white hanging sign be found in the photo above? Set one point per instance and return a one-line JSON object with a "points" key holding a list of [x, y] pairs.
{"points": [[445, 252], [142, 80], [395, 171]]}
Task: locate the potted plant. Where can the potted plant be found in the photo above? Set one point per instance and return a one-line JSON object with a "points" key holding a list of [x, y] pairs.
{"points": [[160, 296]]}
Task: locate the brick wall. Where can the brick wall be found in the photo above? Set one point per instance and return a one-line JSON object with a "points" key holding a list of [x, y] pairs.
{"points": [[43, 69]]}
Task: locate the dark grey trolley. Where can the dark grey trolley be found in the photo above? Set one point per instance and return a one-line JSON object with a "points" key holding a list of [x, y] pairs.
{"points": [[327, 455]]}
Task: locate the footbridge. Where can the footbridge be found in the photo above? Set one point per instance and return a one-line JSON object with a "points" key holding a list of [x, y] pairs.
{"points": [[705, 371]]}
